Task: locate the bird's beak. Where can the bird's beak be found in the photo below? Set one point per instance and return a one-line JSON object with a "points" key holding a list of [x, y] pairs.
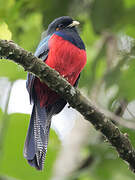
{"points": [[74, 23]]}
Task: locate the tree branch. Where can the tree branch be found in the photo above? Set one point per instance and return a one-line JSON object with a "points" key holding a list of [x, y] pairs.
{"points": [[12, 51]]}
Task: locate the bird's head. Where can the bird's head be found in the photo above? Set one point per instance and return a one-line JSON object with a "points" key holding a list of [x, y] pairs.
{"points": [[64, 22]]}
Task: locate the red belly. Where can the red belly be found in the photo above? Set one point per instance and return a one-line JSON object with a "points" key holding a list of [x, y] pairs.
{"points": [[65, 58]]}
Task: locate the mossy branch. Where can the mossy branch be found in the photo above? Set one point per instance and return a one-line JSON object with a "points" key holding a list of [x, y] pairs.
{"points": [[10, 50]]}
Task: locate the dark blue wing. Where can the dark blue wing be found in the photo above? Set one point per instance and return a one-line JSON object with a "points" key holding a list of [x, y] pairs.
{"points": [[41, 52], [42, 49]]}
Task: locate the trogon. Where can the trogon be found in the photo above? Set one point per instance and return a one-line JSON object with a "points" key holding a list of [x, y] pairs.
{"points": [[63, 50]]}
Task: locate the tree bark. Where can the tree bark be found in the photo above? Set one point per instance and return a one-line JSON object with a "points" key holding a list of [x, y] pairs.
{"points": [[10, 50]]}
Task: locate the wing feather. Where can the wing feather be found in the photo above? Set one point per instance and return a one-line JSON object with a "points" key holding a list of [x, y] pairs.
{"points": [[41, 52]]}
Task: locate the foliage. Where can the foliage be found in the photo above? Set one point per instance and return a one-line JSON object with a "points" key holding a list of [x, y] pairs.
{"points": [[108, 65]]}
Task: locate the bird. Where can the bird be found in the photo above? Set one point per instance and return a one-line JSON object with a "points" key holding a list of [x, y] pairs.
{"points": [[63, 50]]}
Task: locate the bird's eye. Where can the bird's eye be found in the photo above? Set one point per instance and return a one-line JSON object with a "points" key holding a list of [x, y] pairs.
{"points": [[60, 26]]}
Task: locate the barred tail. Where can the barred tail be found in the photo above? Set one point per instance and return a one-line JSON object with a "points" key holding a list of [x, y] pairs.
{"points": [[35, 147]]}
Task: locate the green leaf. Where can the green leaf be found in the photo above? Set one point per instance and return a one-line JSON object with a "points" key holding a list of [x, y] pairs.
{"points": [[129, 30], [31, 31], [129, 3], [127, 81], [105, 14], [113, 75], [107, 163], [88, 35], [13, 163], [11, 70], [5, 32], [123, 75], [1, 114]]}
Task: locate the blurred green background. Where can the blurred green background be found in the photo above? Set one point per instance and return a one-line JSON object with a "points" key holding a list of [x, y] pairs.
{"points": [[108, 30]]}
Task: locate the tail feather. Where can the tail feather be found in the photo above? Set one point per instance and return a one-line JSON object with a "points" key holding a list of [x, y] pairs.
{"points": [[35, 147]]}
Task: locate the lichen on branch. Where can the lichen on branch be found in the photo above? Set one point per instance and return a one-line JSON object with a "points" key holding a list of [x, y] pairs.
{"points": [[10, 50]]}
